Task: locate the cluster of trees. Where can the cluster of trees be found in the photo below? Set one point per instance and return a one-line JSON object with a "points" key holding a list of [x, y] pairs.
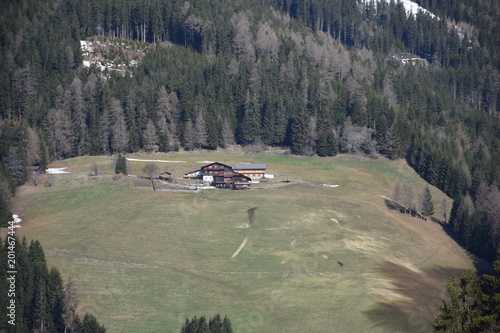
{"points": [[43, 303], [476, 219], [320, 77], [404, 196], [213, 325]]}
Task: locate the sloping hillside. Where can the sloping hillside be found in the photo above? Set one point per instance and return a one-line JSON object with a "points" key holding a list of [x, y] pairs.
{"points": [[316, 258]]}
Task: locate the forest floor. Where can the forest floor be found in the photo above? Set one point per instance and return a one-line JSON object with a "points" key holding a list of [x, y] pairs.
{"points": [[317, 259]]}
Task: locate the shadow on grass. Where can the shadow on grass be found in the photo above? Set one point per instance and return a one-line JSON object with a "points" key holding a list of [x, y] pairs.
{"points": [[421, 295], [482, 266]]}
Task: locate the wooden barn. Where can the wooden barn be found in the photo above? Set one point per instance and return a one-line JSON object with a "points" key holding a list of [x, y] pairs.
{"points": [[252, 170]]}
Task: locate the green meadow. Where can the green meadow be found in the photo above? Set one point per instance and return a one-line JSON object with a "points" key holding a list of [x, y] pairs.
{"points": [[315, 259]]}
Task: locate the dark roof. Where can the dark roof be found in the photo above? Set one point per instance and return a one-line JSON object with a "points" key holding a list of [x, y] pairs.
{"points": [[250, 166], [219, 163]]}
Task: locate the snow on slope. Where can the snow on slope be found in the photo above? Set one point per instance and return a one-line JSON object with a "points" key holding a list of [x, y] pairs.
{"points": [[411, 7], [55, 171]]}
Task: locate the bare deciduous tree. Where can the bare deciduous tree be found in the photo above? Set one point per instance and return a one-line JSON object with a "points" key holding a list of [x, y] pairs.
{"points": [[243, 40], [78, 116], [149, 136], [119, 138], [356, 139], [32, 147], [95, 169], [488, 204], [151, 170], [70, 305], [59, 130], [267, 43], [226, 135], [408, 198], [168, 110]]}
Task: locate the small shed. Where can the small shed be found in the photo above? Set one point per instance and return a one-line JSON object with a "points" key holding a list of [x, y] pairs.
{"points": [[165, 175]]}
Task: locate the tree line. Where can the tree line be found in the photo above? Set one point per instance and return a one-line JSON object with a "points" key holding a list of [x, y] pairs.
{"points": [[320, 77]]}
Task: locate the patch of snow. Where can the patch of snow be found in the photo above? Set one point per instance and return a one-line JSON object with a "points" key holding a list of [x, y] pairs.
{"points": [[16, 218], [86, 46], [205, 162], [329, 185], [411, 7], [162, 161], [53, 171]]}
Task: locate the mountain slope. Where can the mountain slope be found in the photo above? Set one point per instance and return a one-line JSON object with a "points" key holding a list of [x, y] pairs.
{"points": [[316, 76]]}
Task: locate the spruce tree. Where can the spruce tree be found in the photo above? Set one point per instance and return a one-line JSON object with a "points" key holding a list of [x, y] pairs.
{"points": [[427, 204], [121, 165], [298, 135]]}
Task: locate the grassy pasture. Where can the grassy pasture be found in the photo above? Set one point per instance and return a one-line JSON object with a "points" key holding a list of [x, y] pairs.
{"points": [[317, 259]]}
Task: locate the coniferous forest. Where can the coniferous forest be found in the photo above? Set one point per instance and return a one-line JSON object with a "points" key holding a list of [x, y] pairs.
{"points": [[319, 77], [42, 301]]}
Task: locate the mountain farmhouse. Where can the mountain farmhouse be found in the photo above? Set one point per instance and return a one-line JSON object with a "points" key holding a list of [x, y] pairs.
{"points": [[223, 176]]}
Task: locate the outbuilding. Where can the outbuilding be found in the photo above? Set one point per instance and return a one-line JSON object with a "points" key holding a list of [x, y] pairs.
{"points": [[252, 170]]}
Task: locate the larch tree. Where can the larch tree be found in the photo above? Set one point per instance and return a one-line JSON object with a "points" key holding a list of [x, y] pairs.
{"points": [[119, 138], [267, 42], [243, 41], [78, 117], [58, 127], [226, 135], [149, 137]]}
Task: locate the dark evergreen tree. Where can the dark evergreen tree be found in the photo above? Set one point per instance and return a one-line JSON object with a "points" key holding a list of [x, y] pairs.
{"points": [[121, 165], [474, 304], [427, 204], [327, 145], [298, 135]]}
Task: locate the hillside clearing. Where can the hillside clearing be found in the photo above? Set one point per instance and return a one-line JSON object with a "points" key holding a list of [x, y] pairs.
{"points": [[315, 259]]}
